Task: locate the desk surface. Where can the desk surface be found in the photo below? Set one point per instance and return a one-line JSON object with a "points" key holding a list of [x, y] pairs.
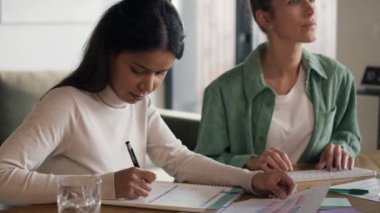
{"points": [[364, 91], [369, 160]]}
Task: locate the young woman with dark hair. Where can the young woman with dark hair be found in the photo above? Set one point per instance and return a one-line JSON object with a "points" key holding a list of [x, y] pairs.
{"points": [[81, 125]]}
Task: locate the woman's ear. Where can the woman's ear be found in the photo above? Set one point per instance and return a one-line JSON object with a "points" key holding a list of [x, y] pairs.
{"points": [[263, 19]]}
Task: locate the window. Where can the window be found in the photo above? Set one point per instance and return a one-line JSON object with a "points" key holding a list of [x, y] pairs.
{"points": [[209, 50]]}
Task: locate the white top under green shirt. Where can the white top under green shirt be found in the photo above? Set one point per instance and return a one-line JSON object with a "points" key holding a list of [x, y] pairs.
{"points": [[73, 132], [292, 121]]}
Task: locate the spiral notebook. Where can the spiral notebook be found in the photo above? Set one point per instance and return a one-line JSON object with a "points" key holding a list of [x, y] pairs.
{"points": [[182, 197]]}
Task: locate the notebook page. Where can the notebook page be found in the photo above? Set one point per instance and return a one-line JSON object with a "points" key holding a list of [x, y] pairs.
{"points": [[182, 197], [167, 194]]}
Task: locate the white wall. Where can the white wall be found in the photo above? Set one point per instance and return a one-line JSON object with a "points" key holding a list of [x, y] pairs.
{"points": [[326, 28], [42, 47], [45, 37], [358, 45]]}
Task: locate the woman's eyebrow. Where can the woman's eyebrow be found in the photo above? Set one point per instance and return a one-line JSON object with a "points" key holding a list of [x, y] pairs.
{"points": [[146, 68]]}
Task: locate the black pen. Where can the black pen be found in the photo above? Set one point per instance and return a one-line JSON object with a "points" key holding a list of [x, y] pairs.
{"points": [[132, 154]]}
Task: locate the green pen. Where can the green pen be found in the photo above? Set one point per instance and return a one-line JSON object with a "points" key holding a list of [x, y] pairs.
{"points": [[350, 191]]}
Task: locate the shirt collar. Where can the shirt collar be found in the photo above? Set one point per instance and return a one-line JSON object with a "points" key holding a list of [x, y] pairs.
{"points": [[254, 82], [310, 62], [110, 98], [253, 76]]}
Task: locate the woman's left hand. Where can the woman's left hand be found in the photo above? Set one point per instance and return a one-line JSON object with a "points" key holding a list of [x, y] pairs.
{"points": [[335, 155]]}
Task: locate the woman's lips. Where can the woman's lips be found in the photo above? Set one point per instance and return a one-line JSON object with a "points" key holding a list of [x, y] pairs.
{"points": [[137, 97], [309, 24]]}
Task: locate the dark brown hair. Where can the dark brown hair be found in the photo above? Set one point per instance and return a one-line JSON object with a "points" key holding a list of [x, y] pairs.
{"points": [[264, 5], [132, 26]]}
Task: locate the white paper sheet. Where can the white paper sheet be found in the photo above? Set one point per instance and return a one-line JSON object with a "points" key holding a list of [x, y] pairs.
{"points": [[372, 185], [302, 202]]}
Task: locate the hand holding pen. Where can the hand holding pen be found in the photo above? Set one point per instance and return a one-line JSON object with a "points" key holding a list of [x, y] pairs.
{"points": [[133, 182]]}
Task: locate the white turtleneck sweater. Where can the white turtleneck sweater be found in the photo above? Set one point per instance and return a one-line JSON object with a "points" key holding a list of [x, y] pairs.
{"points": [[72, 132]]}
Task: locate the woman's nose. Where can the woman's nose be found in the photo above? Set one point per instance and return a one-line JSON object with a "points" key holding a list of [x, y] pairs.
{"points": [[147, 84], [309, 8]]}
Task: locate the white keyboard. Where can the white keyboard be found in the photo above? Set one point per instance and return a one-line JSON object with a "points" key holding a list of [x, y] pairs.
{"points": [[313, 175]]}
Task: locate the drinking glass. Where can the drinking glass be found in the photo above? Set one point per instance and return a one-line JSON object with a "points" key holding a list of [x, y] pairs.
{"points": [[79, 194]]}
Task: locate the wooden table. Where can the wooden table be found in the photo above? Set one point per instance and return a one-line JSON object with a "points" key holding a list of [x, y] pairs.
{"points": [[370, 160]]}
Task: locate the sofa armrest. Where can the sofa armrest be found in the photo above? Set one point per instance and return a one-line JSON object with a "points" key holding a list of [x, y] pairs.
{"points": [[19, 91], [184, 125]]}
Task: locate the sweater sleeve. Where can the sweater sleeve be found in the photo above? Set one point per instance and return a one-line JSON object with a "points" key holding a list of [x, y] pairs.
{"points": [[186, 166], [27, 148]]}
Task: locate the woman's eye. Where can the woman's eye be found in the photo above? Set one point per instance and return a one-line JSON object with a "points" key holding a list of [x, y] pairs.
{"points": [[135, 70], [293, 2], [162, 73]]}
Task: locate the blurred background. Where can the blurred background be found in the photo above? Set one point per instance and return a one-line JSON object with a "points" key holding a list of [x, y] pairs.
{"points": [[49, 35]]}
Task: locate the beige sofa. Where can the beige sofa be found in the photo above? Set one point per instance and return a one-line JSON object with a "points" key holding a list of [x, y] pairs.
{"points": [[18, 92]]}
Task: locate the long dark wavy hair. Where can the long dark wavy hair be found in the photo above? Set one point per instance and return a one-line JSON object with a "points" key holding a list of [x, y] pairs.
{"points": [[129, 25]]}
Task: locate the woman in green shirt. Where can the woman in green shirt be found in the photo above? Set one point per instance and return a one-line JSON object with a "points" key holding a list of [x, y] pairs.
{"points": [[282, 105]]}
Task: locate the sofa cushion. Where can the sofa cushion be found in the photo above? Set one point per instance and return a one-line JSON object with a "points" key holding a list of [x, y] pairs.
{"points": [[19, 91]]}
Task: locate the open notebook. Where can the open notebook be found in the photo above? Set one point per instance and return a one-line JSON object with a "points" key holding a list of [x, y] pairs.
{"points": [[182, 197]]}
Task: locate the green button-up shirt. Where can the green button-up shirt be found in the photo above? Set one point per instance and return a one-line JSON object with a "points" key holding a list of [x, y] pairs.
{"points": [[238, 106]]}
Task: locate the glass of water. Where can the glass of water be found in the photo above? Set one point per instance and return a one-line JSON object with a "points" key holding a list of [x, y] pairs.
{"points": [[79, 194]]}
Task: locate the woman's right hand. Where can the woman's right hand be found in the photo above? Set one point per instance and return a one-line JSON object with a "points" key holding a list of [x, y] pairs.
{"points": [[272, 183], [271, 159], [133, 183]]}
